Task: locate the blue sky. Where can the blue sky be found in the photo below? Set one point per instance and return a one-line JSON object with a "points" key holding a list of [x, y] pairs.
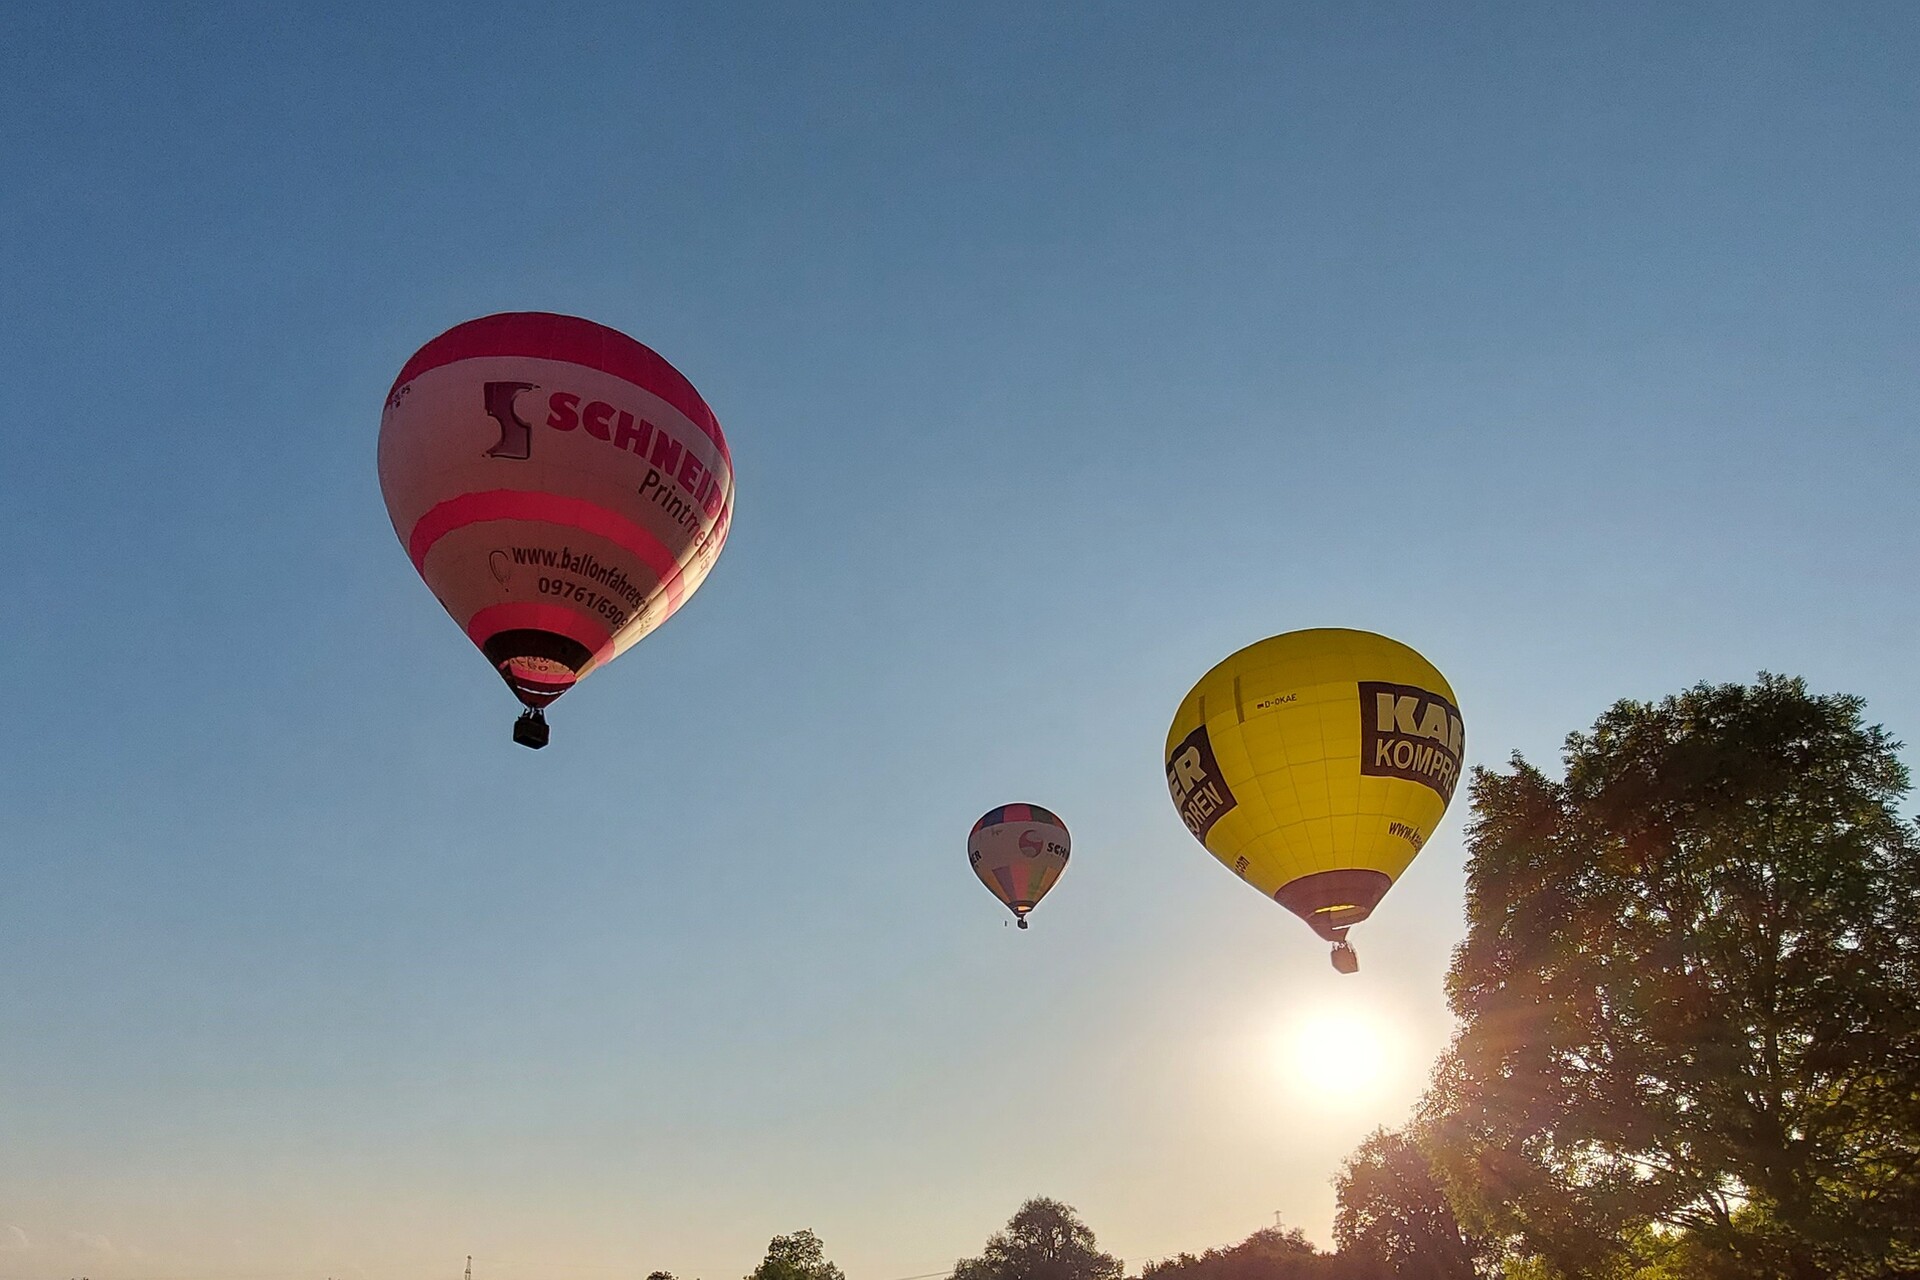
{"points": [[1062, 351]]}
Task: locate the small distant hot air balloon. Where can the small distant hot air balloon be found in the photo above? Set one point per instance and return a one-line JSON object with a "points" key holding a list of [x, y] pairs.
{"points": [[1315, 765], [561, 488], [1018, 851]]}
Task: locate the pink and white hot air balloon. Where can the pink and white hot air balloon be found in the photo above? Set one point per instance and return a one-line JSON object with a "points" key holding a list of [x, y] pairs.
{"points": [[561, 488], [1018, 851]]}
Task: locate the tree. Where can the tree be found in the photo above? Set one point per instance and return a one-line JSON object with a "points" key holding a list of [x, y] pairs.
{"points": [[1392, 1212], [1268, 1254], [1689, 995], [1044, 1240], [796, 1257], [661, 1275]]}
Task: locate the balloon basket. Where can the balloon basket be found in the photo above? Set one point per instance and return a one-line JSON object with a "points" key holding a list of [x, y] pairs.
{"points": [[530, 730], [1345, 958], [1023, 922]]}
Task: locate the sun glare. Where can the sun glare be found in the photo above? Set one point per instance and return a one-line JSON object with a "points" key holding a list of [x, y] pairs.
{"points": [[1340, 1054]]}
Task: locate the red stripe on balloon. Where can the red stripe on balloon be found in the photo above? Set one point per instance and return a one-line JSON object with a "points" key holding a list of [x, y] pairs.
{"points": [[528, 616], [543, 335], [547, 508], [1018, 813]]}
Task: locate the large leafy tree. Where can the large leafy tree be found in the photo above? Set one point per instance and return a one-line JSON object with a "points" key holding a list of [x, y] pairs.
{"points": [[1690, 995], [799, 1256], [1044, 1240], [1391, 1211]]}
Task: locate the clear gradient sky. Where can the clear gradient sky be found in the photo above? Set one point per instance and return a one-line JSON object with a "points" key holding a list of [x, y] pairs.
{"points": [[1063, 349]]}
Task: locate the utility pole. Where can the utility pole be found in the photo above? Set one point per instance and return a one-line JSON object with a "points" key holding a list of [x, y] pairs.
{"points": [[469, 1267]]}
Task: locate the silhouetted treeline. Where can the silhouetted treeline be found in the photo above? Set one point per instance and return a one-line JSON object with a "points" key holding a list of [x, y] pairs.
{"points": [[1268, 1254]]}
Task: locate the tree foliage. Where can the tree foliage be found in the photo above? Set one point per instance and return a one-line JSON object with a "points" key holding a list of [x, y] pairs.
{"points": [[1044, 1240], [1390, 1210], [1268, 1254], [799, 1256], [1690, 996]]}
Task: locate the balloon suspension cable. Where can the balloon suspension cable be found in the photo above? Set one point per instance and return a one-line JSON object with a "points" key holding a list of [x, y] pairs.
{"points": [[530, 730], [1345, 959]]}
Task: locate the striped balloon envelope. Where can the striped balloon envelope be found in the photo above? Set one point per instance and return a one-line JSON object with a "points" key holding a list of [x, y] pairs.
{"points": [[561, 489], [1018, 851]]}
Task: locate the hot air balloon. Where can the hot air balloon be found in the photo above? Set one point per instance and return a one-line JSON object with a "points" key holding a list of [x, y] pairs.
{"points": [[561, 488], [1018, 851], [1315, 764]]}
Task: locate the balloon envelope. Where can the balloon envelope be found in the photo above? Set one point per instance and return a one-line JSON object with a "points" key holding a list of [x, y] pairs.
{"points": [[1314, 765], [561, 488], [1018, 851]]}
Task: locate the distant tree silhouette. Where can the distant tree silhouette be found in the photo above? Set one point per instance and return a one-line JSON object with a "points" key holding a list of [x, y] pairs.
{"points": [[799, 1256], [1044, 1240], [1392, 1212], [661, 1275], [1271, 1253]]}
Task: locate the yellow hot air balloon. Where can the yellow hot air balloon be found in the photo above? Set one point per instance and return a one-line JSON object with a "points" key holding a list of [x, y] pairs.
{"points": [[1315, 764]]}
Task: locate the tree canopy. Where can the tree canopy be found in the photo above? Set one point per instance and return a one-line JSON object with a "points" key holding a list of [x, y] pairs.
{"points": [[1270, 1253], [1044, 1240], [1689, 999], [1391, 1211], [799, 1256]]}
